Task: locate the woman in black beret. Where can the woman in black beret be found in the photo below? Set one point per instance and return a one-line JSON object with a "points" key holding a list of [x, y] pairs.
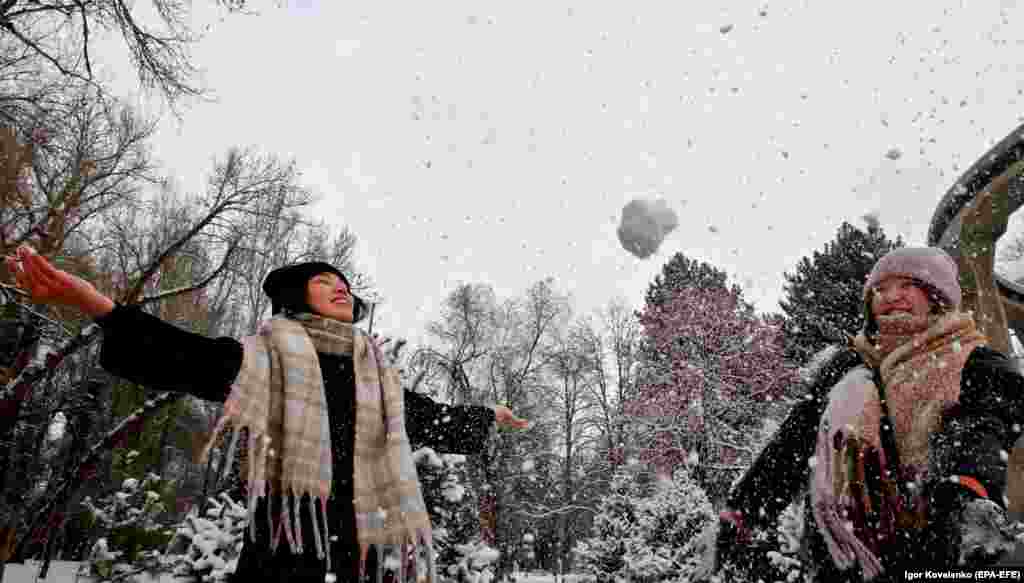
{"points": [[329, 429]]}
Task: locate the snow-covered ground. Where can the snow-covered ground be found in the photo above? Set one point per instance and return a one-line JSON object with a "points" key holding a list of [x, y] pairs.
{"points": [[64, 572], [60, 572]]}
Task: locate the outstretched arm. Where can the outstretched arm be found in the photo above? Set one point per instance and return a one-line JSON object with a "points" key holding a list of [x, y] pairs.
{"points": [[446, 428], [146, 350], [136, 346]]}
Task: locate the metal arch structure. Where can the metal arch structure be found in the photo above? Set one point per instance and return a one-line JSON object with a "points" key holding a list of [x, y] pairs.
{"points": [[967, 223], [995, 174]]}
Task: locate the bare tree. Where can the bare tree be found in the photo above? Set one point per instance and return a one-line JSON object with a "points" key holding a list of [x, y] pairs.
{"points": [[515, 375], [86, 155], [463, 338], [575, 369], [619, 344], [26, 91], [486, 352], [61, 34], [279, 235]]}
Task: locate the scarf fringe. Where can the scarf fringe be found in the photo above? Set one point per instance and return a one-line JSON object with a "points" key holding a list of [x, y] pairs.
{"points": [[289, 522], [408, 557], [844, 547]]}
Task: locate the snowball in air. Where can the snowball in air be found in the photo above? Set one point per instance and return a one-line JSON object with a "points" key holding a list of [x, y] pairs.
{"points": [[644, 225], [894, 154]]}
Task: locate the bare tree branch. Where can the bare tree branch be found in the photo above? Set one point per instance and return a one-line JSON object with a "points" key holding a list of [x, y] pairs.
{"points": [[196, 286]]}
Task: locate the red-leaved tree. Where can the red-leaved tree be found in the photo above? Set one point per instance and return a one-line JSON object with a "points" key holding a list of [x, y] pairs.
{"points": [[714, 372]]}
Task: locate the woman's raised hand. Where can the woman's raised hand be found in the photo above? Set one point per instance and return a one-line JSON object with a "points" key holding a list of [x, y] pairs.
{"points": [[504, 417], [46, 284]]}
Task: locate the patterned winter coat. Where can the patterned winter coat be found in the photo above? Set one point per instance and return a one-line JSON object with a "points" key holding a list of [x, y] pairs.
{"points": [[973, 442], [143, 349]]}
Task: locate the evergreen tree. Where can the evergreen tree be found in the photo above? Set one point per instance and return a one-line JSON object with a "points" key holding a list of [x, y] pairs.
{"points": [[681, 272], [132, 527], [653, 538], [451, 504], [823, 298], [718, 375], [604, 553]]}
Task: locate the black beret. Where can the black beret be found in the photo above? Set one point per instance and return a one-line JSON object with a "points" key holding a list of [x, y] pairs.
{"points": [[286, 287]]}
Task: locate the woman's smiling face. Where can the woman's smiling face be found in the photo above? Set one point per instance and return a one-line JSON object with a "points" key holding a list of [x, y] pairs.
{"points": [[328, 295], [895, 295]]}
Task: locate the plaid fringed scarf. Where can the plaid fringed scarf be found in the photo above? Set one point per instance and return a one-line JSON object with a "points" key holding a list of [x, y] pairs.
{"points": [[279, 397], [856, 507]]}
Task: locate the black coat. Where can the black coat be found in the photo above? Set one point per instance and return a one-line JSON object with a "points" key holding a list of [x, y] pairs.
{"points": [[973, 441], [143, 349]]}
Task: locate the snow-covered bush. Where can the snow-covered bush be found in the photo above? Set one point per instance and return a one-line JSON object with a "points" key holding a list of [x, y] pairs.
{"points": [[131, 528], [603, 554], [453, 507], [211, 544], [659, 537], [473, 563]]}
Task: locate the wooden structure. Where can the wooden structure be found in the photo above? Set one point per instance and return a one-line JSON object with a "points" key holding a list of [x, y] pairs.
{"points": [[967, 223]]}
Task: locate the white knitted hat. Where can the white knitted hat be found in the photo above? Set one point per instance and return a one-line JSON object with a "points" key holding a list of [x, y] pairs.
{"points": [[930, 265]]}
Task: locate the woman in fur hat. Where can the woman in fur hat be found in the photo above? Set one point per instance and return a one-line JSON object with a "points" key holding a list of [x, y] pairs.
{"points": [[330, 473], [902, 441]]}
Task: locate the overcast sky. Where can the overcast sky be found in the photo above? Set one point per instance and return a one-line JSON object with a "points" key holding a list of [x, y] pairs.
{"points": [[498, 141]]}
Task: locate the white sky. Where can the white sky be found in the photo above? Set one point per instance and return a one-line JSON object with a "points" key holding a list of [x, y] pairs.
{"points": [[540, 119]]}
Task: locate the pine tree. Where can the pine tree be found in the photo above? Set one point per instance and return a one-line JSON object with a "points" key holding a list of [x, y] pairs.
{"points": [[681, 272], [603, 554], [717, 374], [133, 528], [823, 297], [653, 538], [451, 504]]}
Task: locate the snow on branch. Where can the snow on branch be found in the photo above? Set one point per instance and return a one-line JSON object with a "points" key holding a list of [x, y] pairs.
{"points": [[86, 466], [45, 362]]}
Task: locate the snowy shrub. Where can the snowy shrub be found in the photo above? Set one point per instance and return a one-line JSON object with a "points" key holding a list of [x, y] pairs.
{"points": [[652, 538], [211, 544], [131, 532], [473, 563], [453, 507]]}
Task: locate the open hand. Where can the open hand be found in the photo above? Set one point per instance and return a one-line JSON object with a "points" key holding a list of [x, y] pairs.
{"points": [[45, 284], [504, 417]]}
